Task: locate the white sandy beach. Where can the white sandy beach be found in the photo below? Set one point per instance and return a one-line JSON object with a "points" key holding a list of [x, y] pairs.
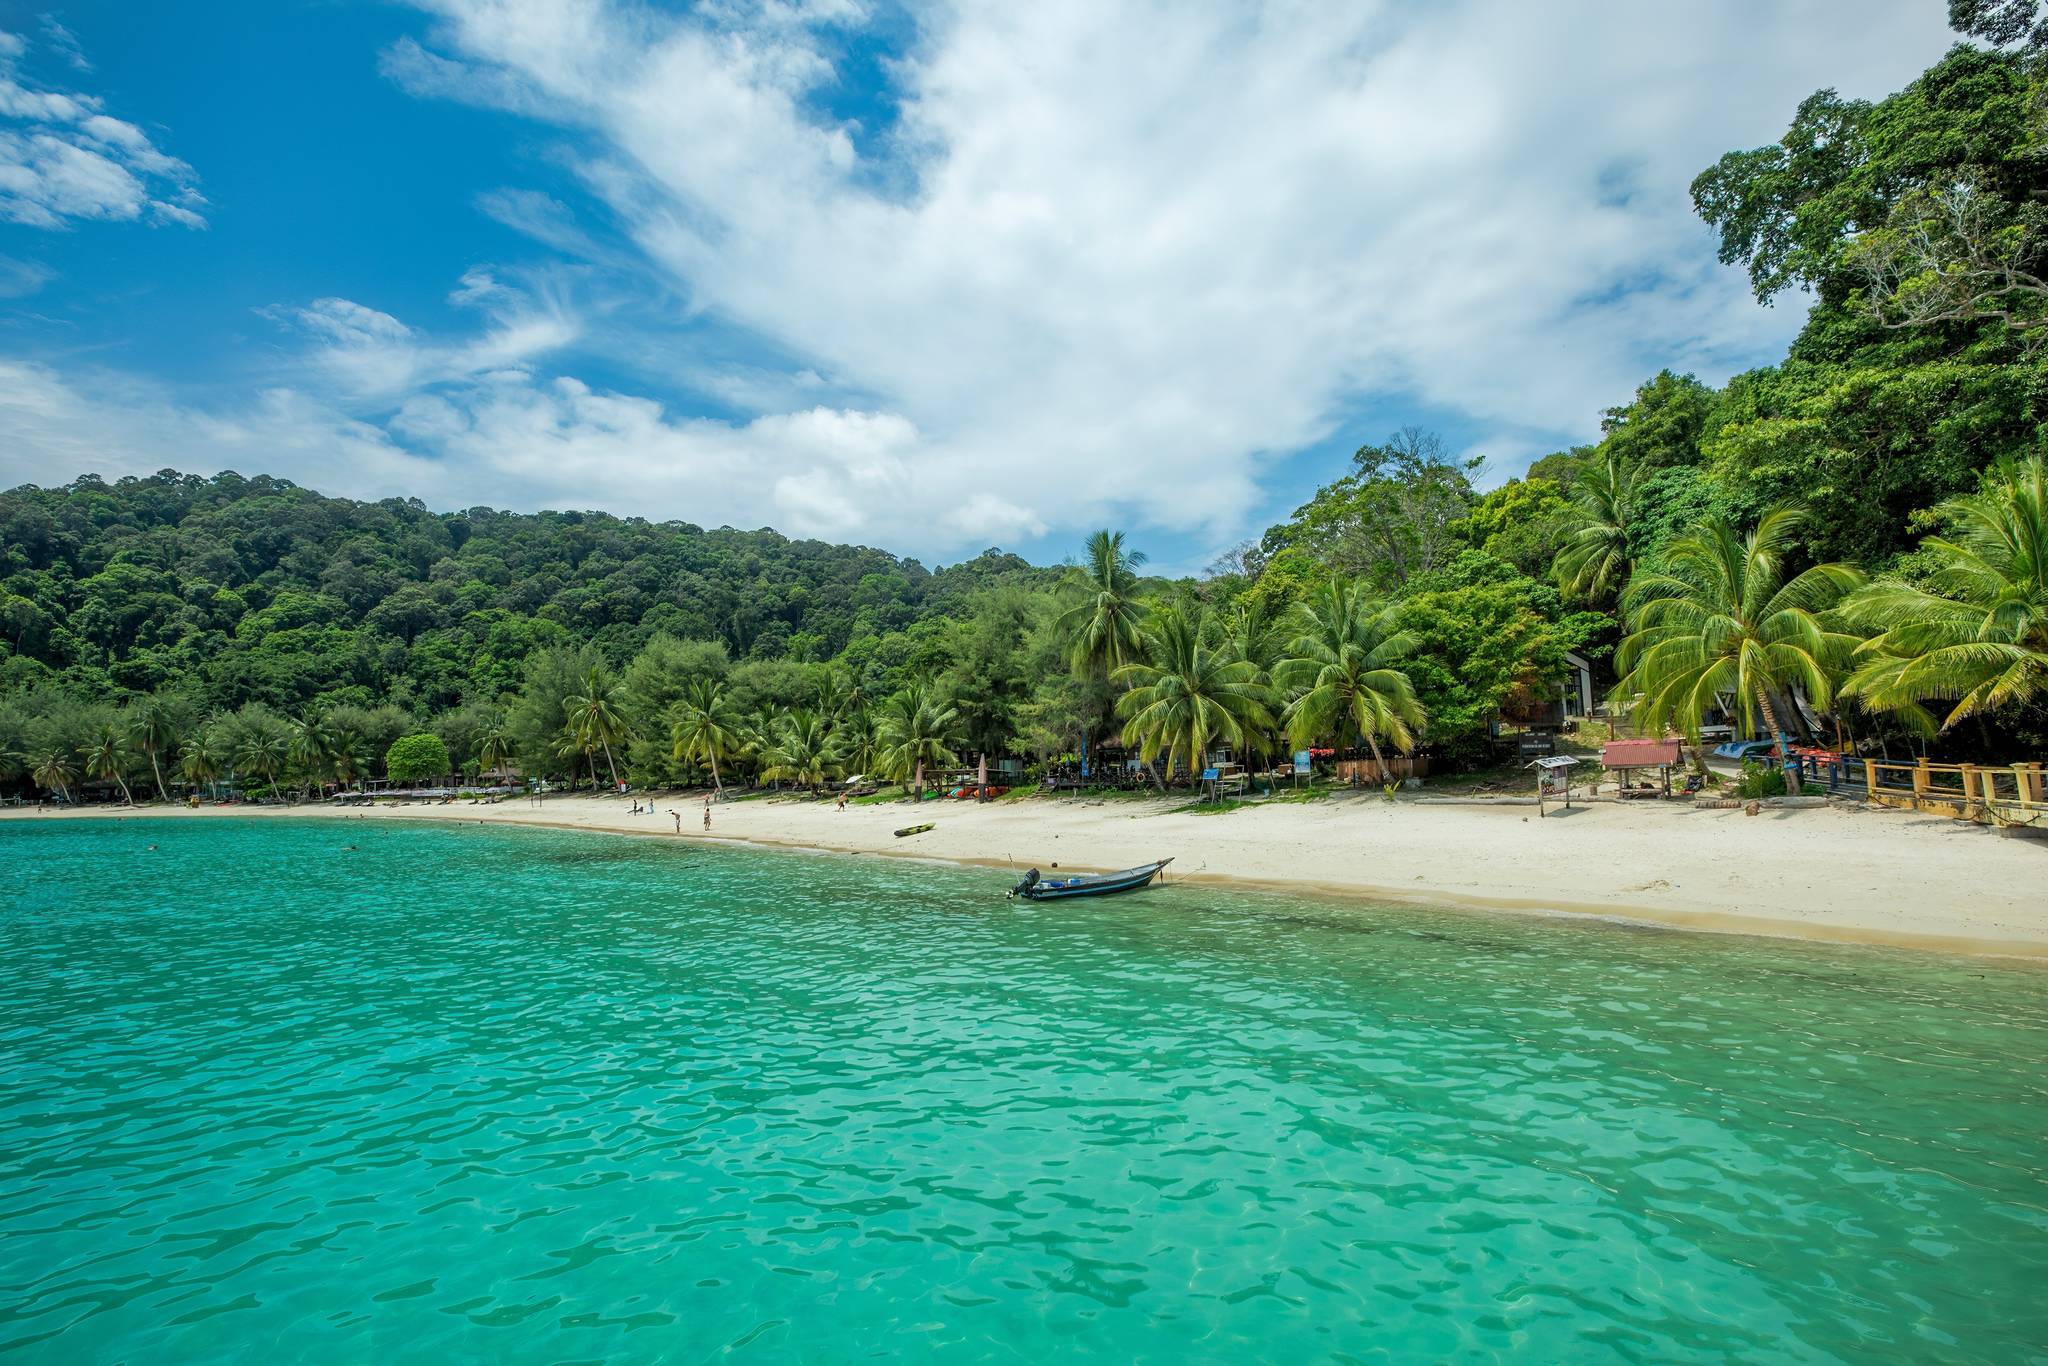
{"points": [[1847, 875]]}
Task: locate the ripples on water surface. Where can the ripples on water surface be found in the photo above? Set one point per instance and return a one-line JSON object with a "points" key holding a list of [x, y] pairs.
{"points": [[528, 1096]]}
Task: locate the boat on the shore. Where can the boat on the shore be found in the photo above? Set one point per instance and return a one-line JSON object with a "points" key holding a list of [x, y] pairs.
{"points": [[909, 830], [1037, 888]]}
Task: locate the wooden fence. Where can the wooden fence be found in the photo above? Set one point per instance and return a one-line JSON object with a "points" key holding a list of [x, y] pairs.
{"points": [[2013, 795], [1389, 771]]}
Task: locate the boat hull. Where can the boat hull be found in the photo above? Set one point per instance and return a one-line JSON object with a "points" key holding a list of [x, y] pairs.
{"points": [[1094, 884]]}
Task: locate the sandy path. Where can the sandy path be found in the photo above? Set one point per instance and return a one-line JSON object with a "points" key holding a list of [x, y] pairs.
{"points": [[1824, 873]]}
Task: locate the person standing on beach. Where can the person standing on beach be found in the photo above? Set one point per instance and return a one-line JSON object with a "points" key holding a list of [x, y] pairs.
{"points": [[679, 819], [707, 817]]}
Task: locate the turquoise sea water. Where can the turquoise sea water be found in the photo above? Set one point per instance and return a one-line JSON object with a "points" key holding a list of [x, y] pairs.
{"points": [[478, 1094]]}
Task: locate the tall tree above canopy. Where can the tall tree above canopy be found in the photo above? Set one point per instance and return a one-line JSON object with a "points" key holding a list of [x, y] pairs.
{"points": [[2002, 23], [1661, 425], [1789, 211], [1103, 625], [1394, 516], [1104, 628]]}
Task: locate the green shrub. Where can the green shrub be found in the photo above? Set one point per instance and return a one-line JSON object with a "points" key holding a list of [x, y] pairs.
{"points": [[1760, 780]]}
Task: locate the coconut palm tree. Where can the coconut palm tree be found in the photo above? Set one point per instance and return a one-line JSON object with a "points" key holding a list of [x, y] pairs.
{"points": [[860, 741], [597, 718], [800, 749], [1256, 632], [312, 749], [106, 757], [496, 746], [348, 753], [834, 689], [917, 730], [1187, 693], [1977, 635], [570, 746], [705, 727], [200, 759], [1719, 617], [1594, 560], [1343, 665], [1103, 628], [54, 770], [153, 727], [13, 762], [262, 750]]}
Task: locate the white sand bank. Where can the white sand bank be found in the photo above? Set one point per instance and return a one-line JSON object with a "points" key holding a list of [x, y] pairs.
{"points": [[1833, 874]]}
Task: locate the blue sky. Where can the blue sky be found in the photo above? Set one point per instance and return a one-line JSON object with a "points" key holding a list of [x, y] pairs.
{"points": [[929, 278]]}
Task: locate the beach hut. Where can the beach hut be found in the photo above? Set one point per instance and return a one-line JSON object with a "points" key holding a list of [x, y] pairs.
{"points": [[1623, 758], [1577, 686]]}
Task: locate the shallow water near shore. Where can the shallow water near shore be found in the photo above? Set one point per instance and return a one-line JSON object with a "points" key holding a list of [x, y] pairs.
{"points": [[526, 1095]]}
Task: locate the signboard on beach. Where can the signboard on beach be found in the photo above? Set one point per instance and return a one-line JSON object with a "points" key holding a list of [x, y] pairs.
{"points": [[1301, 763]]}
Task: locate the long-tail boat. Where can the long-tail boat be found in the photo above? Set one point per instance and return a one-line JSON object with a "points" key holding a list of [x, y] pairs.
{"points": [[1037, 888]]}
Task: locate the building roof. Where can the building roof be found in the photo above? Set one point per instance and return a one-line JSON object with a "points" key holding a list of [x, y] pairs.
{"points": [[1638, 753]]}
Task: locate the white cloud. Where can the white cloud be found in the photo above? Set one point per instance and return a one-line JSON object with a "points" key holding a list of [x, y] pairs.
{"points": [[19, 278], [1142, 247], [66, 159], [1105, 263], [370, 355], [503, 438], [62, 41], [114, 425]]}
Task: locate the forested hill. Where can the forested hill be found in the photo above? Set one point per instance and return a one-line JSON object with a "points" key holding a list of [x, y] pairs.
{"points": [[254, 590], [1851, 543]]}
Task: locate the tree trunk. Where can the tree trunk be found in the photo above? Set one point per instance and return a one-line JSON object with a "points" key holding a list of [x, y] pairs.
{"points": [[1763, 699], [610, 765], [126, 795], [1379, 763], [716, 783], [917, 792], [161, 795]]}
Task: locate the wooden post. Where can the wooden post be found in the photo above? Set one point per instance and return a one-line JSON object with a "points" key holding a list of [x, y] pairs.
{"points": [[1970, 789], [1920, 781], [2027, 777], [1870, 779]]}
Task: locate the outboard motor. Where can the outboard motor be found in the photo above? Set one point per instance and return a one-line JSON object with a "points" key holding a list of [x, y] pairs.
{"points": [[1030, 881]]}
